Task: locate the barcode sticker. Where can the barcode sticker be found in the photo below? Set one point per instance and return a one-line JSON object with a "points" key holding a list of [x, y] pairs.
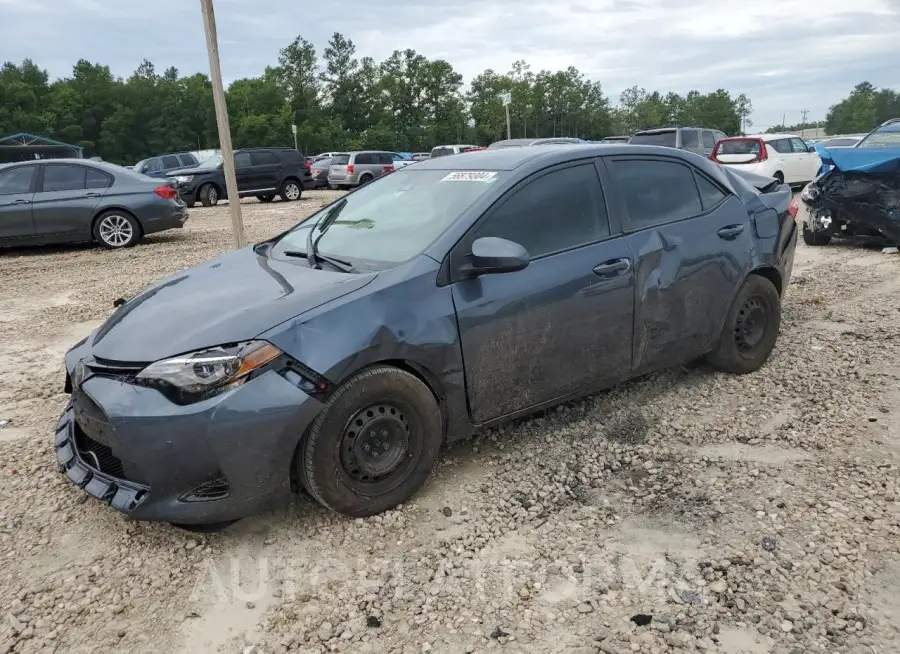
{"points": [[471, 176]]}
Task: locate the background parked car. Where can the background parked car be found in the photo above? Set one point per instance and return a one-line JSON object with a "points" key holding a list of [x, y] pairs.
{"points": [[164, 163], [522, 143], [447, 150], [421, 156], [358, 168], [78, 201], [698, 140], [260, 172], [786, 157], [615, 139], [402, 159], [319, 170]]}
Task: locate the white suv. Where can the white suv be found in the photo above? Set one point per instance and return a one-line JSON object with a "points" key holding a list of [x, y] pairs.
{"points": [[786, 157]]}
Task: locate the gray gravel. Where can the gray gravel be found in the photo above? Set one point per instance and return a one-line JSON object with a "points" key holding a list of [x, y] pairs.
{"points": [[686, 511]]}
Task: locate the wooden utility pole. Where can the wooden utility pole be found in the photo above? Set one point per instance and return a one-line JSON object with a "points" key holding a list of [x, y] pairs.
{"points": [[212, 47]]}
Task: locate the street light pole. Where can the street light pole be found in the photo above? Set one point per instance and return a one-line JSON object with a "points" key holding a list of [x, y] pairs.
{"points": [[212, 47], [506, 99]]}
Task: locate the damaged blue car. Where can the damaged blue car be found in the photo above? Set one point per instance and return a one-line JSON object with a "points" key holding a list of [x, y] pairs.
{"points": [[339, 356], [857, 191]]}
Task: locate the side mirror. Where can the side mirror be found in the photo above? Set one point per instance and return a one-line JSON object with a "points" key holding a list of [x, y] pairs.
{"points": [[491, 255], [812, 148]]}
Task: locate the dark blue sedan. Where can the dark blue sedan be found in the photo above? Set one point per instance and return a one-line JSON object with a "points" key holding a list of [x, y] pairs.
{"points": [[441, 299]]}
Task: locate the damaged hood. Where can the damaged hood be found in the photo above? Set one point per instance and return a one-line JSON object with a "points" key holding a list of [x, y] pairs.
{"points": [[864, 186], [232, 298]]}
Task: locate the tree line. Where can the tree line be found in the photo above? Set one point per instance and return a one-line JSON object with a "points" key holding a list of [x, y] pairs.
{"points": [[341, 101]]}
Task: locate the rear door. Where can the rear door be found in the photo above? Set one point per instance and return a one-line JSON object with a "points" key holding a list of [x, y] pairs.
{"points": [[265, 170], [792, 167], [561, 326], [63, 203], [690, 141], [17, 186], [691, 244], [707, 142]]}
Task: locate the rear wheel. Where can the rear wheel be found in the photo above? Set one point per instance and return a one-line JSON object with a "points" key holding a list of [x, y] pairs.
{"points": [[815, 238], [779, 176], [190, 203], [751, 328], [820, 228], [209, 195], [373, 445], [290, 190], [365, 179], [116, 229], [265, 198]]}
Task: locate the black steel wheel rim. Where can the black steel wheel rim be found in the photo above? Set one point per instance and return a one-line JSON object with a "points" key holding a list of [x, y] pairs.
{"points": [[751, 325], [375, 444]]}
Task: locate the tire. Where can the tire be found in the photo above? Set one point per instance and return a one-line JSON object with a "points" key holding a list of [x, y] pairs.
{"points": [[334, 461], [116, 229], [365, 179], [751, 328], [190, 203], [209, 195], [265, 198], [291, 190], [779, 176], [815, 238]]}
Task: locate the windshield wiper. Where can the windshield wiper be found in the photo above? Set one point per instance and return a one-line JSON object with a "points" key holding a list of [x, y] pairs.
{"points": [[340, 264], [312, 244]]}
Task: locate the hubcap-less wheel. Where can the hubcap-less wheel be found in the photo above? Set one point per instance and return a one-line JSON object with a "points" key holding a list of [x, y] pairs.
{"points": [[291, 191], [750, 327], [375, 443], [212, 195], [116, 231]]}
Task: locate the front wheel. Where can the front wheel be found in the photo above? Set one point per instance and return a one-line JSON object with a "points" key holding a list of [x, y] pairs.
{"points": [[209, 195], [116, 229], [815, 238], [373, 445], [291, 191], [265, 198], [751, 328]]}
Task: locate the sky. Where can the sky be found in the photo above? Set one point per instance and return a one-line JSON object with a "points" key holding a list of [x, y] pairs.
{"points": [[786, 55]]}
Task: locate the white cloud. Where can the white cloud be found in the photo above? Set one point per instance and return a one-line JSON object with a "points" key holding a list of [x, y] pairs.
{"points": [[787, 55]]}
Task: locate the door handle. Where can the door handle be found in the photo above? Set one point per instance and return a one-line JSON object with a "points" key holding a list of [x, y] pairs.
{"points": [[731, 232], [21, 202], [92, 195], [612, 268]]}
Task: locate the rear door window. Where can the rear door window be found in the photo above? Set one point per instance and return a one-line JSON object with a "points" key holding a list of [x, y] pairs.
{"points": [[690, 139], [656, 191], [655, 138], [242, 160], [263, 158], [59, 177], [188, 159], [781, 145], [170, 161]]}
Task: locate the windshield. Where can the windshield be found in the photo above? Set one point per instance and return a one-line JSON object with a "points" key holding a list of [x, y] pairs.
{"points": [[214, 161], [393, 219], [886, 137], [654, 138]]}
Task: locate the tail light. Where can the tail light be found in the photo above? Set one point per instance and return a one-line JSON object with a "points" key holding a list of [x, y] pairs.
{"points": [[350, 169], [308, 166], [388, 169], [166, 192]]}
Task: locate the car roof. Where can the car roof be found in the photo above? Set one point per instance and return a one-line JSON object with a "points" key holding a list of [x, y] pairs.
{"points": [[547, 155], [773, 137]]}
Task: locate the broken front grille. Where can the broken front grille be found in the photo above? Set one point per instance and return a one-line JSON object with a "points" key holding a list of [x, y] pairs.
{"points": [[97, 455]]}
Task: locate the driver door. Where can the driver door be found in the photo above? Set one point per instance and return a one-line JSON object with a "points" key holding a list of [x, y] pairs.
{"points": [[563, 325]]}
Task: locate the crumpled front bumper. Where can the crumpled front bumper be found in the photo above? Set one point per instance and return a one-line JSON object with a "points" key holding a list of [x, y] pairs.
{"points": [[221, 459]]}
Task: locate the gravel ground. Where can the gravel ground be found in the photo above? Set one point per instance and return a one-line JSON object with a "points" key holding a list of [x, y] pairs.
{"points": [[686, 511]]}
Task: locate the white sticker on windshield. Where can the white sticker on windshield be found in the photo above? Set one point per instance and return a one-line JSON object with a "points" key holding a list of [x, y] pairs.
{"points": [[471, 176]]}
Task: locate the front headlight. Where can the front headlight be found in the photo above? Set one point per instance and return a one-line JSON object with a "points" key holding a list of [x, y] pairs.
{"points": [[184, 179], [809, 193], [199, 375]]}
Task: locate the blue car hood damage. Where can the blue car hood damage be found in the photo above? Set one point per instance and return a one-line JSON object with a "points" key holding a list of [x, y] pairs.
{"points": [[863, 184], [231, 298]]}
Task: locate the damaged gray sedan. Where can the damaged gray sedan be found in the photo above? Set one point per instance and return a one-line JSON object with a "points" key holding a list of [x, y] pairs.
{"points": [[339, 356]]}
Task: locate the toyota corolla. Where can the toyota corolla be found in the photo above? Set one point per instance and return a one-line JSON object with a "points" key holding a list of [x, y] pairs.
{"points": [[339, 356]]}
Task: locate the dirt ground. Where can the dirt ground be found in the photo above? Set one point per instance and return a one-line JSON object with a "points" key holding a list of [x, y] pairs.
{"points": [[685, 511]]}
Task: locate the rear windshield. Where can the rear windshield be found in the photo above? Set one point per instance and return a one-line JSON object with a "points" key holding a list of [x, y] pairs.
{"points": [[340, 160], [393, 219], [655, 138], [441, 152], [741, 146]]}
